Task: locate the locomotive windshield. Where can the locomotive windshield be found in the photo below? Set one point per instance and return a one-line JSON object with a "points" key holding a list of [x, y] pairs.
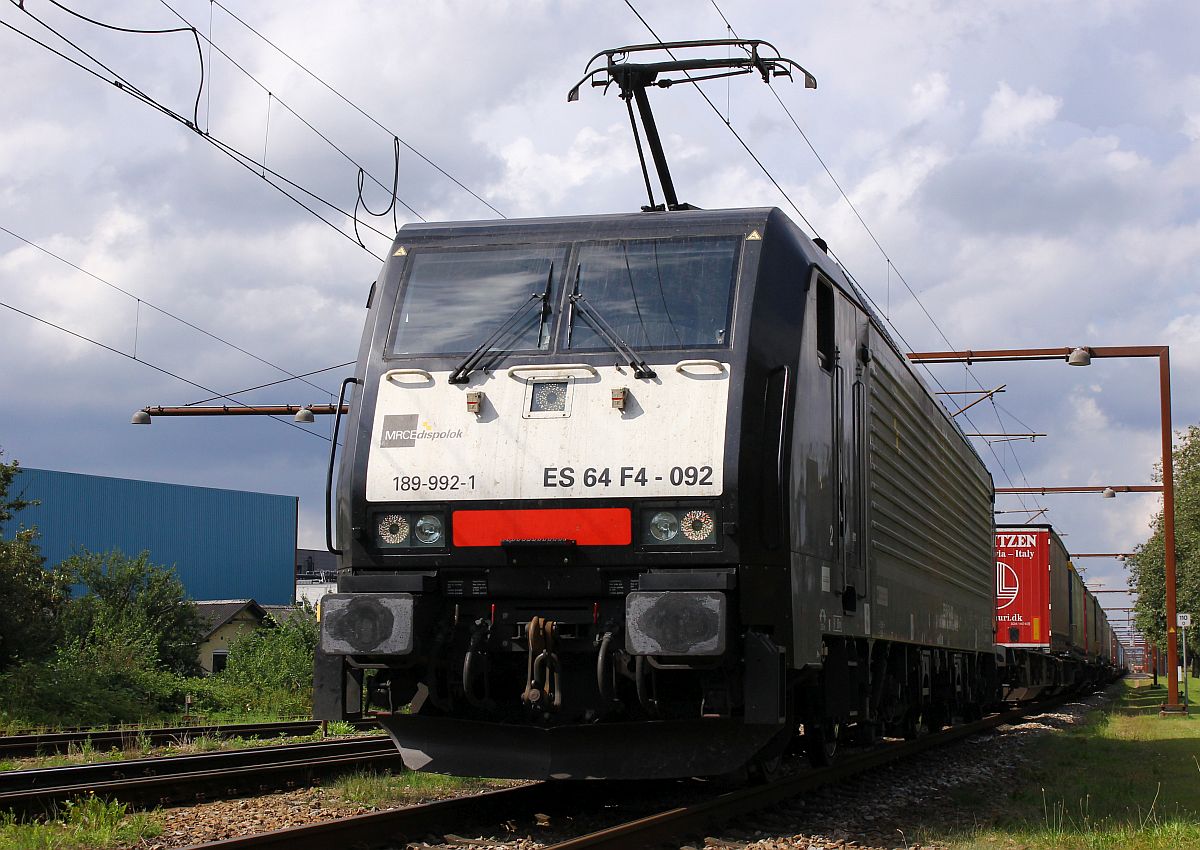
{"points": [[657, 293], [452, 299]]}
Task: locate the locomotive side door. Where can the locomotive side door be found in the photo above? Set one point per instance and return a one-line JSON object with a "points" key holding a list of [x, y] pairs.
{"points": [[836, 338], [847, 413]]}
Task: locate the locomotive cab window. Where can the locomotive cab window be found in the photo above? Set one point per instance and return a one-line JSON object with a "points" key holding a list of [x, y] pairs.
{"points": [[453, 300], [657, 293], [826, 349]]}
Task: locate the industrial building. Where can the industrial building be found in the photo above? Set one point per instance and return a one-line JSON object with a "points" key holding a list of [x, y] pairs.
{"points": [[316, 574], [223, 544]]}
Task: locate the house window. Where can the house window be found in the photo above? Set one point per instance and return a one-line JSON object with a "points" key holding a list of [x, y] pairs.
{"points": [[220, 659]]}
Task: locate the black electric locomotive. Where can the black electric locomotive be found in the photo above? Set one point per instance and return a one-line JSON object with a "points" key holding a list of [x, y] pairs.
{"points": [[643, 495]]}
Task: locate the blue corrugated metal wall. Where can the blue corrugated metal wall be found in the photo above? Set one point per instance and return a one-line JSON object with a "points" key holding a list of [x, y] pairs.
{"points": [[224, 544]]}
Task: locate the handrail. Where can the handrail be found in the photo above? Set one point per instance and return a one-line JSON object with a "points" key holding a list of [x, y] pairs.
{"points": [[337, 421], [683, 365], [397, 372], [551, 367]]}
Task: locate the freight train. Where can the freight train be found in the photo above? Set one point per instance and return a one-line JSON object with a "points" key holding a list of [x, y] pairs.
{"points": [[646, 495], [1054, 633]]}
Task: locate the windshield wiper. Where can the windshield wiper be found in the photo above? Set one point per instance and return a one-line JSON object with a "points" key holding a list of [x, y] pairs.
{"points": [[637, 363], [463, 372]]}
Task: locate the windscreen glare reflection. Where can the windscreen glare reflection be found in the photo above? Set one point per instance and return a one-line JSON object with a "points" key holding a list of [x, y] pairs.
{"points": [[454, 300], [664, 293]]}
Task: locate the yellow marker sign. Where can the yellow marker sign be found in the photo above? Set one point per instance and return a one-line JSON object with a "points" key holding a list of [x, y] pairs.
{"points": [[401, 252], [754, 236], [1037, 628]]}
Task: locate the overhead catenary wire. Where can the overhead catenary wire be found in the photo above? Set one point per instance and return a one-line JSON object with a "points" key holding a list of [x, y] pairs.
{"points": [[273, 383], [359, 109], [273, 97], [150, 365], [245, 160], [189, 28], [163, 311]]}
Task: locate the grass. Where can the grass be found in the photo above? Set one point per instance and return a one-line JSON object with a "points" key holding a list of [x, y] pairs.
{"points": [[1126, 779], [15, 726], [85, 823], [381, 790]]}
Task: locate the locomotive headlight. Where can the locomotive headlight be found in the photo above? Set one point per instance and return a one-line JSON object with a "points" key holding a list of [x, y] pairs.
{"points": [[409, 530], [429, 530], [393, 529], [698, 526], [664, 526], [679, 527]]}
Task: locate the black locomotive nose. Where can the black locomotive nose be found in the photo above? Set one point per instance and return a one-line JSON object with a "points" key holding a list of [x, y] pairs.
{"points": [[365, 624]]}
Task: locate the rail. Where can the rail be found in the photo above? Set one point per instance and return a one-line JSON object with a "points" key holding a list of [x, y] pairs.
{"points": [[38, 743], [184, 779]]}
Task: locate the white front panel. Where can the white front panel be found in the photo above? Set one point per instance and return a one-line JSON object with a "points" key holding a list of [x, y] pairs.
{"points": [[669, 440]]}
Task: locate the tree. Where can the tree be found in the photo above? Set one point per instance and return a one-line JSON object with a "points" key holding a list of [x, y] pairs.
{"points": [[33, 601], [33, 597], [122, 593], [8, 507], [1147, 568]]}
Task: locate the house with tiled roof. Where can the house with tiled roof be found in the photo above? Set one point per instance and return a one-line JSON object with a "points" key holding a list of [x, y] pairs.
{"points": [[224, 620]]}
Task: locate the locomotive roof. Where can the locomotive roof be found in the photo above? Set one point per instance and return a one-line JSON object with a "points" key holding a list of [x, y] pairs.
{"points": [[598, 226], [616, 222]]}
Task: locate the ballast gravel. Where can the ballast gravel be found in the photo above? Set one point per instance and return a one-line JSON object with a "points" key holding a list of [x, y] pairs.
{"points": [[887, 809], [185, 826]]}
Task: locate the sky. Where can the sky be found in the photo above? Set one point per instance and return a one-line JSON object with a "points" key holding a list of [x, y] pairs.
{"points": [[1029, 173]]}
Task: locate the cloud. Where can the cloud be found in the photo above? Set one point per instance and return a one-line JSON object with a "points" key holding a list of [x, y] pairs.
{"points": [[1012, 118], [534, 179], [930, 96]]}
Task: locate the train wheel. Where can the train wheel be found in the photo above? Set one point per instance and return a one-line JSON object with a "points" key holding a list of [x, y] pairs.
{"points": [[768, 762], [765, 770], [821, 742]]}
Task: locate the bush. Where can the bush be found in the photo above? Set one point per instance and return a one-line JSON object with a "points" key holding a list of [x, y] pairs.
{"points": [[110, 678], [270, 670]]}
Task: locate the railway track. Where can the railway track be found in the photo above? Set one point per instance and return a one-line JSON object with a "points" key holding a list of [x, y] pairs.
{"points": [[42, 743], [674, 823], [191, 778]]}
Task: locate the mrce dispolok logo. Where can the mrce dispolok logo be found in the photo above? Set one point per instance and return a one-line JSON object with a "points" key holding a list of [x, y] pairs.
{"points": [[403, 431]]}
